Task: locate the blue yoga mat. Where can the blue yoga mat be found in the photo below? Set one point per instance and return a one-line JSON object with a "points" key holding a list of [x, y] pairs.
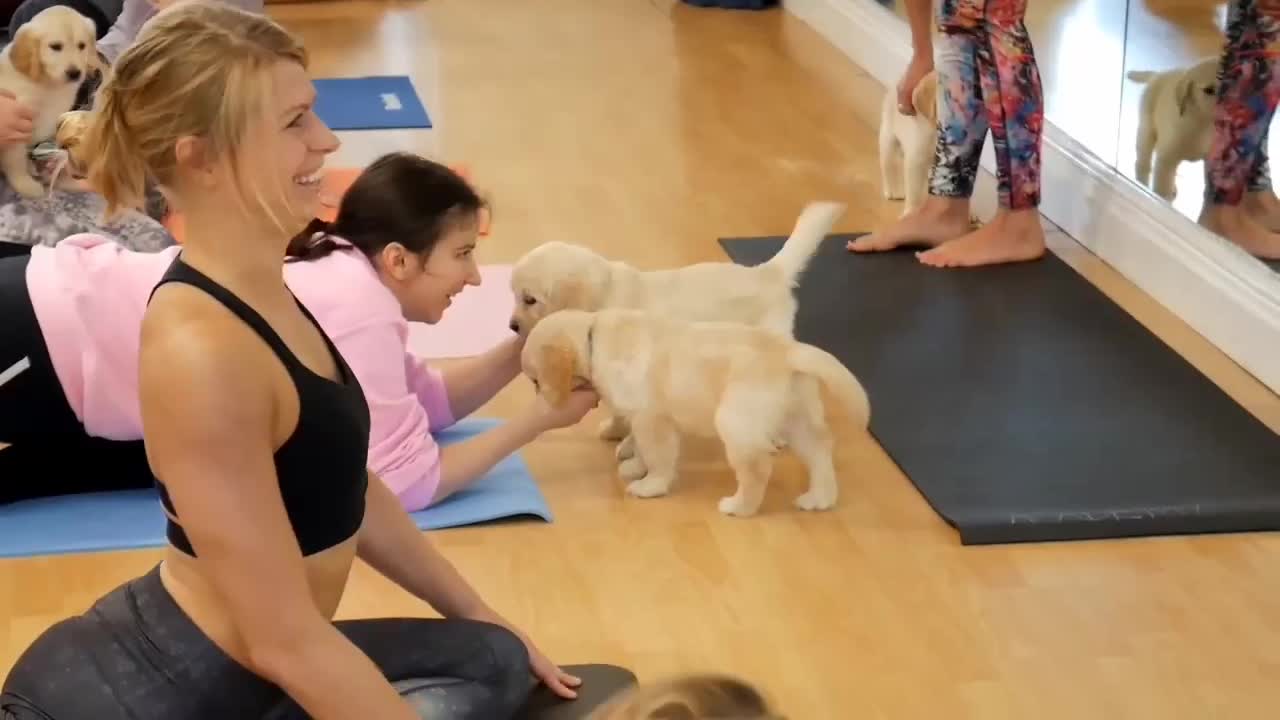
{"points": [[369, 103], [131, 519]]}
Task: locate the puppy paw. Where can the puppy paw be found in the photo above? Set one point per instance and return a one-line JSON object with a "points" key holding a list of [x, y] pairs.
{"points": [[649, 487], [626, 449], [26, 186], [814, 500], [736, 506], [612, 430], [633, 468]]}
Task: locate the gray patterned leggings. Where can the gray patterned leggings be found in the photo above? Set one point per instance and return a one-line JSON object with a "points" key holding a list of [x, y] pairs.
{"points": [[135, 654]]}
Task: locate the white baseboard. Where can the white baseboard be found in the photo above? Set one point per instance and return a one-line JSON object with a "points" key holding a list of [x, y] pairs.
{"points": [[1219, 290]]}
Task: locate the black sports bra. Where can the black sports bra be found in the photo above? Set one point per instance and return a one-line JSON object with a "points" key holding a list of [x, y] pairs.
{"points": [[322, 467]]}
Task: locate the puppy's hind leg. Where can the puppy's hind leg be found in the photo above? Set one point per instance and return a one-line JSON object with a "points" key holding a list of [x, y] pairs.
{"points": [[658, 443], [613, 428], [810, 438], [1146, 146], [749, 450]]}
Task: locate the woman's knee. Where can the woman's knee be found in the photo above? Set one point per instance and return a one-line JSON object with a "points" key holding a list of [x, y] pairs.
{"points": [[509, 678]]}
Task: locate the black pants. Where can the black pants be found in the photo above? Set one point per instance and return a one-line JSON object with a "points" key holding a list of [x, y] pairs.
{"points": [[51, 453], [135, 654]]}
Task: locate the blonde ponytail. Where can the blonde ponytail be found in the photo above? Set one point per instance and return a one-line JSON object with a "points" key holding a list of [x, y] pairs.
{"points": [[116, 169], [198, 69]]}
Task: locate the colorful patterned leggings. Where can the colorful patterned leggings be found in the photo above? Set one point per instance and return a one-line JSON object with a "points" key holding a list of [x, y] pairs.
{"points": [[987, 79], [1248, 90]]}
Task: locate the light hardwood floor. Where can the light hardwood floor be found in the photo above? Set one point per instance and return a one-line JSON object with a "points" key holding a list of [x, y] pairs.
{"points": [[646, 131]]}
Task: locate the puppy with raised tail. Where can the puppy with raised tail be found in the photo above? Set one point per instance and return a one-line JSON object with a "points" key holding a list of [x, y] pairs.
{"points": [[43, 67], [907, 144], [1175, 122], [559, 276], [754, 388]]}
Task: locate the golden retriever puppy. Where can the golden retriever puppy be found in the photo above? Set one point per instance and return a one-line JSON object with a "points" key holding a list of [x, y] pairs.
{"points": [[43, 67], [754, 388], [907, 143], [1175, 122], [559, 276]]}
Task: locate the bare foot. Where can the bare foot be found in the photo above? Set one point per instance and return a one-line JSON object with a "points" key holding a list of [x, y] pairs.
{"points": [[1263, 207], [1234, 223], [933, 223], [1010, 237]]}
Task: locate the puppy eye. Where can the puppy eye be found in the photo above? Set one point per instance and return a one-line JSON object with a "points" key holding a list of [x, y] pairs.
{"points": [[1209, 91], [56, 47], [80, 46], [530, 300]]}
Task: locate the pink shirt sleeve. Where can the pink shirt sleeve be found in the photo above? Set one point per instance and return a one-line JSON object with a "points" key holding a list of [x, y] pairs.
{"points": [[407, 401]]}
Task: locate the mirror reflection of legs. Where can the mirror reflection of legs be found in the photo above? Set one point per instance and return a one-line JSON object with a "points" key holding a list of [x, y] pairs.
{"points": [[1200, 95], [1239, 203], [987, 80]]}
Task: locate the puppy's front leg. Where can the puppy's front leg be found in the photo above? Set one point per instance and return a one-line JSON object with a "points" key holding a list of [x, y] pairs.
{"points": [[613, 428], [919, 160], [658, 444], [15, 163]]}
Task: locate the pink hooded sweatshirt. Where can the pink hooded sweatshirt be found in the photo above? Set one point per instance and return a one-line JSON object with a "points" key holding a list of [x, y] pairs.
{"points": [[90, 294]]}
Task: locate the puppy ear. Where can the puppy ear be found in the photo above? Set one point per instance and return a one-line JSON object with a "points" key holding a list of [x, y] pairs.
{"points": [[24, 53], [925, 97], [557, 369], [1182, 93], [574, 294]]}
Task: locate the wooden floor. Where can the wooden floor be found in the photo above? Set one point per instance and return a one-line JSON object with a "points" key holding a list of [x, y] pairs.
{"points": [[646, 131], [1084, 49]]}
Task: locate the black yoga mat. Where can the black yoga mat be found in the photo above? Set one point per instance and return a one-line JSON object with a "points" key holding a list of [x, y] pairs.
{"points": [[599, 684], [1026, 406]]}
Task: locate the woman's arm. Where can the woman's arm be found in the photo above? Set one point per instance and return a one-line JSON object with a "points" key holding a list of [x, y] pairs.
{"points": [[918, 17], [473, 381], [208, 416], [391, 544]]}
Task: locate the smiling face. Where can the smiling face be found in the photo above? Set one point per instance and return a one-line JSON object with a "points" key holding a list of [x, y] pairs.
{"points": [[425, 287], [292, 142]]}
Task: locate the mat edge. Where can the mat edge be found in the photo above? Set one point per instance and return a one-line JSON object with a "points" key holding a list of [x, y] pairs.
{"points": [[1226, 296]]}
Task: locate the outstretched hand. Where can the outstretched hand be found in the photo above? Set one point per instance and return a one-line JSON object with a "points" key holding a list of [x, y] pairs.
{"points": [[573, 409]]}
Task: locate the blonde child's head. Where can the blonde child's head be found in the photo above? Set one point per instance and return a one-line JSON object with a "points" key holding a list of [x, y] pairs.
{"points": [[690, 697], [212, 103]]}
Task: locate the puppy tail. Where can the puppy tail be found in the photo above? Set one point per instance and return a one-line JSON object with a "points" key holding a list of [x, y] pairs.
{"points": [[825, 367], [1140, 75], [811, 228]]}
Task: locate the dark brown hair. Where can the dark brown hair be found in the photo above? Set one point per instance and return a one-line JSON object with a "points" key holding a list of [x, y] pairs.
{"points": [[400, 198]]}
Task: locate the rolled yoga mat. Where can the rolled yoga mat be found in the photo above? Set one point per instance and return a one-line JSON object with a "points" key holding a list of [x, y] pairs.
{"points": [[130, 519], [1027, 406]]}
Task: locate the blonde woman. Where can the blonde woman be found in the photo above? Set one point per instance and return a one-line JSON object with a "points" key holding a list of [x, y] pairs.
{"points": [[256, 431]]}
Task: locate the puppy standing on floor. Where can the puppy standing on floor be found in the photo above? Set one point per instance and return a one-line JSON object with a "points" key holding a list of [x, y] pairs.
{"points": [[907, 144], [43, 67], [557, 276], [753, 388], [1175, 122]]}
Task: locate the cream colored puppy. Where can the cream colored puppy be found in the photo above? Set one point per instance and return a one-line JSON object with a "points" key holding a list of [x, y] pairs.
{"points": [[558, 276], [1175, 122], [755, 389], [907, 144], [43, 67]]}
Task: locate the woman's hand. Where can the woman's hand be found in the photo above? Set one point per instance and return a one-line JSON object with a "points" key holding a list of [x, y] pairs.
{"points": [[16, 120], [548, 673], [579, 403], [920, 66]]}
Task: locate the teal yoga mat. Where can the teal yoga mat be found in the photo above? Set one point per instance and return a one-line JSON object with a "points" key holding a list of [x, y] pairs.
{"points": [[125, 520]]}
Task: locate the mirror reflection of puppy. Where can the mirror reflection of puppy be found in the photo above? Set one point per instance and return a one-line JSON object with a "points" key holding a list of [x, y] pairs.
{"points": [[43, 67], [907, 144], [755, 389], [1175, 122]]}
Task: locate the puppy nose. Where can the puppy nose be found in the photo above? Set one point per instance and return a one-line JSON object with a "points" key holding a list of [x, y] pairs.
{"points": [[515, 326], [73, 74]]}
